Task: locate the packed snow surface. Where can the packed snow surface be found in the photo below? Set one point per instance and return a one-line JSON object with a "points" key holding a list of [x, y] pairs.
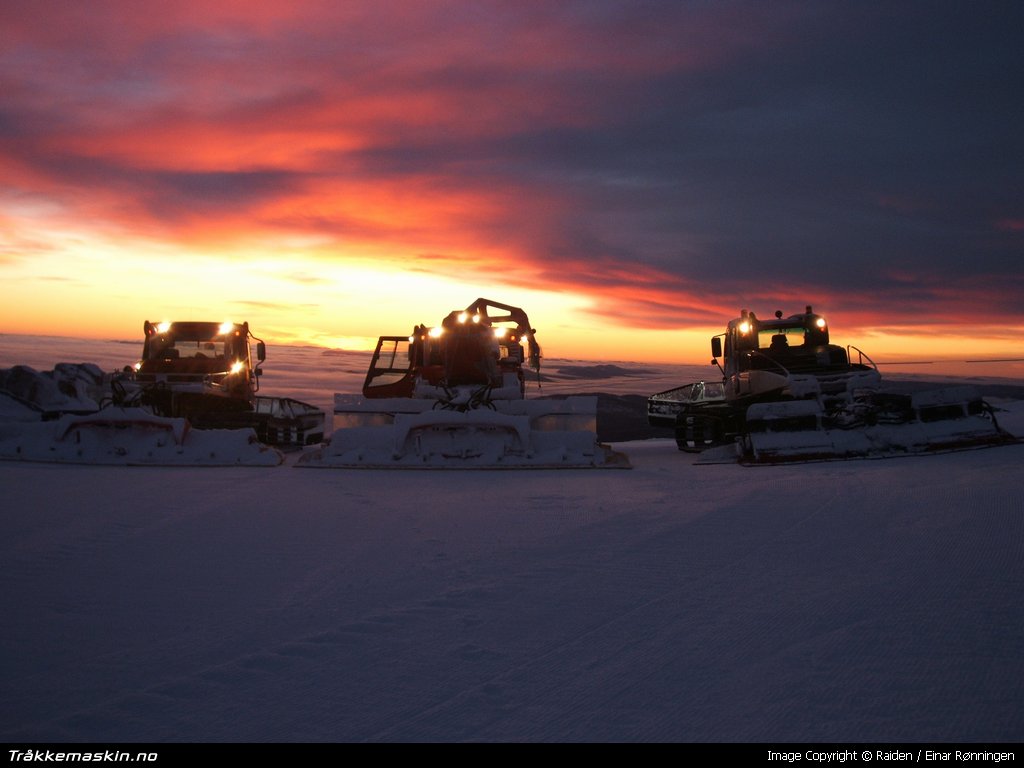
{"points": [[132, 437], [861, 600]]}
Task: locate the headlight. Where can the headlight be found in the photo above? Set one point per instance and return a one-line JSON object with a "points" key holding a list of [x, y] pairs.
{"points": [[237, 367], [435, 332], [744, 327]]}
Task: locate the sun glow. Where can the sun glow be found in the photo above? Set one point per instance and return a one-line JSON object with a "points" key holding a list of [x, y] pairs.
{"points": [[93, 285]]}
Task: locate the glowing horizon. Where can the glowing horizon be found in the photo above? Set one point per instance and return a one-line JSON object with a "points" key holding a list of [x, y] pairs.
{"points": [[357, 302]]}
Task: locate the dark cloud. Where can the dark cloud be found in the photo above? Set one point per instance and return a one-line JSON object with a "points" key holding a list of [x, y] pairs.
{"points": [[871, 138], [165, 194], [230, 189]]}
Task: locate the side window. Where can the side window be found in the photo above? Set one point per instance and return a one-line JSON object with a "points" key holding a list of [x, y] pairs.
{"points": [[391, 363]]}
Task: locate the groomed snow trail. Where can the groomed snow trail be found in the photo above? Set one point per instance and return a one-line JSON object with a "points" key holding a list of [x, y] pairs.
{"points": [[867, 600]]}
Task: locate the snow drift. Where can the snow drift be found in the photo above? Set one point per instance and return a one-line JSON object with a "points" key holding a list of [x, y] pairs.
{"points": [[60, 416]]}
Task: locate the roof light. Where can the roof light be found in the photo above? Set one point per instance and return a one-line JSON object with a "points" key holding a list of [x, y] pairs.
{"points": [[820, 322], [225, 328], [163, 327]]}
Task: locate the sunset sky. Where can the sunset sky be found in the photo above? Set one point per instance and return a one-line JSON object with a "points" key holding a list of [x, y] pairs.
{"points": [[630, 173]]}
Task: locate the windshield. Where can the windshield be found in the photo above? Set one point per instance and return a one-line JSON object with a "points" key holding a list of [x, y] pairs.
{"points": [[164, 347], [782, 338]]}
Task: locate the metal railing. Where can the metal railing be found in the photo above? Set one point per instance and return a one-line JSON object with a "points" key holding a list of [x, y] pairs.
{"points": [[861, 356]]}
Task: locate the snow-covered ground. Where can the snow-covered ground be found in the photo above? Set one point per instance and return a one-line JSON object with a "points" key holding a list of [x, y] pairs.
{"points": [[863, 600]]}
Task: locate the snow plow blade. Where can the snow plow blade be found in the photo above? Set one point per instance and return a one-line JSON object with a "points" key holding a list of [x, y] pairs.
{"points": [[278, 421], [878, 425], [131, 437], [411, 434]]}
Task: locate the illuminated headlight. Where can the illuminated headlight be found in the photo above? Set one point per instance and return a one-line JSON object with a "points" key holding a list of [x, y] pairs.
{"points": [[744, 327], [225, 328], [138, 366], [499, 333], [476, 318], [163, 327], [820, 322], [463, 316], [435, 332], [237, 367], [412, 339]]}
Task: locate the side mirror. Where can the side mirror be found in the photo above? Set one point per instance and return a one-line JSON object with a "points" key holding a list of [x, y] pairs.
{"points": [[261, 351], [716, 346]]}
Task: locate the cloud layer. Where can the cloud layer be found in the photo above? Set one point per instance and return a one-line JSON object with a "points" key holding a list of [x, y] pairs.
{"points": [[673, 161]]}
